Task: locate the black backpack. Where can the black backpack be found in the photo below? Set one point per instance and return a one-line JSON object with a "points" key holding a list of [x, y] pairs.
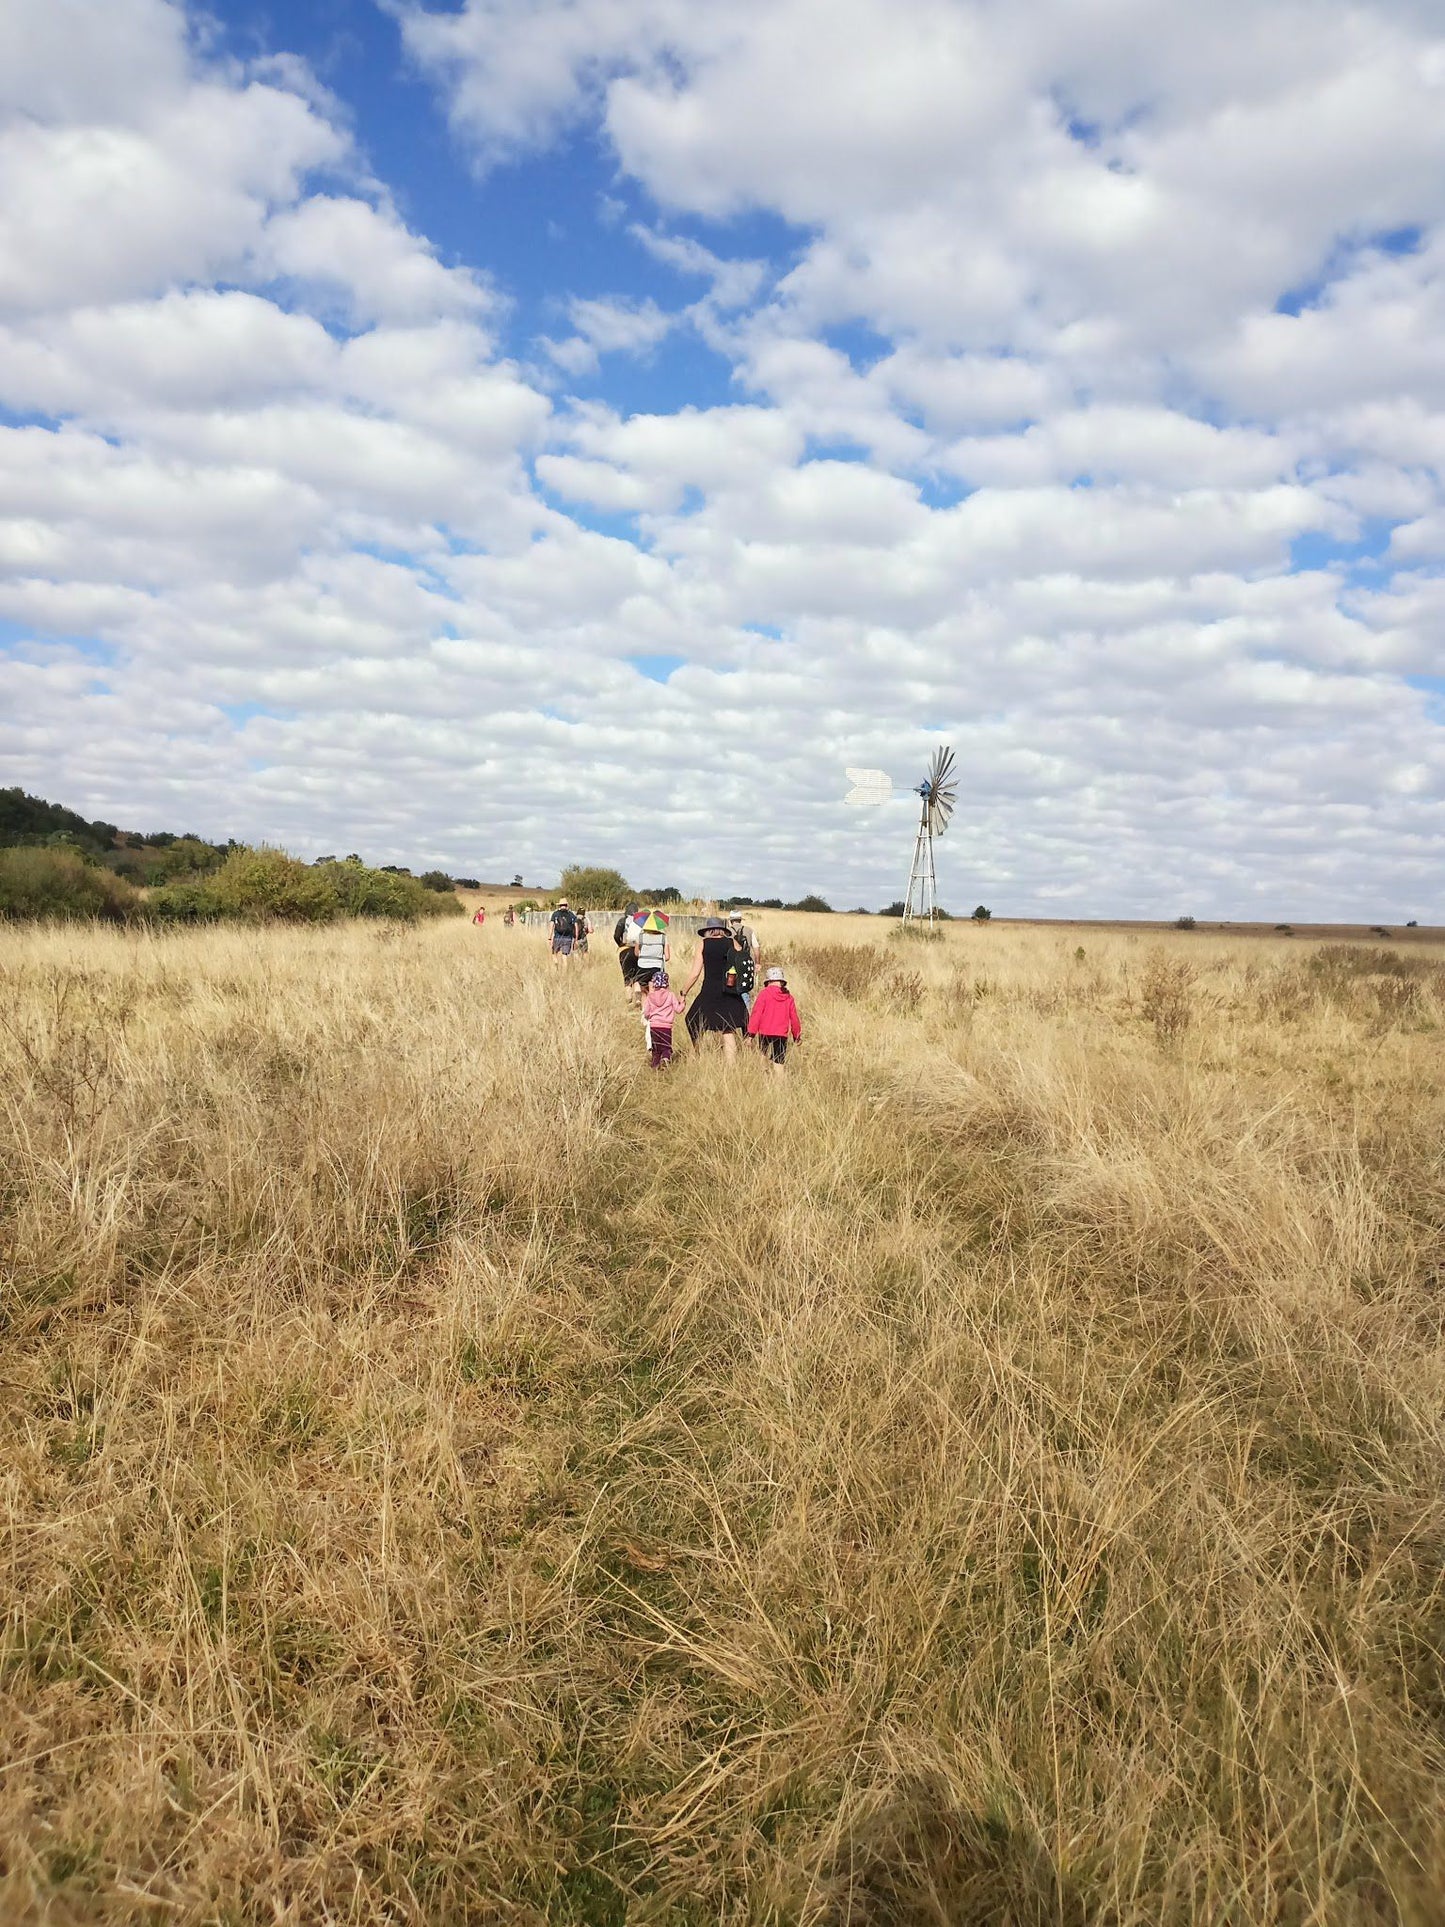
{"points": [[619, 932], [746, 968], [564, 923]]}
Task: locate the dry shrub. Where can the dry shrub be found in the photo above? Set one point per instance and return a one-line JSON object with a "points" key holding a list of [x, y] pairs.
{"points": [[1165, 997], [862, 974], [1387, 989], [989, 1474], [902, 991], [852, 970]]}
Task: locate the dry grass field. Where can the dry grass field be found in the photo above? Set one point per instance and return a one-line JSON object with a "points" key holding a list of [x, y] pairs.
{"points": [[992, 1474]]}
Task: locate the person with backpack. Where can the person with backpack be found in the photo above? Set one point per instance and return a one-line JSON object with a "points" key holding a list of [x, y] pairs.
{"points": [[651, 949], [774, 1019], [718, 1005], [564, 932], [624, 935], [749, 960], [582, 933]]}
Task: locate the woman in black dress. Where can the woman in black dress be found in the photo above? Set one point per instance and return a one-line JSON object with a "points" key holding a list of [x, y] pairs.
{"points": [[719, 1004]]}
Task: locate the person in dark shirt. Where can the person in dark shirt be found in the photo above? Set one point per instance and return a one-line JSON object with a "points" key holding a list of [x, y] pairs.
{"points": [[564, 932]]}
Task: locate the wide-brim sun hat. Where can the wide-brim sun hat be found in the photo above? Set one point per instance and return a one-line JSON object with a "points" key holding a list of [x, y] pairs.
{"points": [[712, 923]]}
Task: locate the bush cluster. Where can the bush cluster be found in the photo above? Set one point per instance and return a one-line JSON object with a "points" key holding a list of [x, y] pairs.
{"points": [[58, 885], [254, 886]]}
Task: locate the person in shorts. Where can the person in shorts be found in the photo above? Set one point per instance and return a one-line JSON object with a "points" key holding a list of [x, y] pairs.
{"points": [[564, 932], [774, 1020]]}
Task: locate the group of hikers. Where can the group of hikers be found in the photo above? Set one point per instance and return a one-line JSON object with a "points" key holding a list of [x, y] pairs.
{"points": [[725, 971]]}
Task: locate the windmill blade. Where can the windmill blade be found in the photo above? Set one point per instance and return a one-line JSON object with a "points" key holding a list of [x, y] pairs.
{"points": [[942, 790], [869, 786]]}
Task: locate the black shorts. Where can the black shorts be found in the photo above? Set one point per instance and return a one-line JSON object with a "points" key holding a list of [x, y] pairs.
{"points": [[774, 1049], [628, 961], [644, 974]]}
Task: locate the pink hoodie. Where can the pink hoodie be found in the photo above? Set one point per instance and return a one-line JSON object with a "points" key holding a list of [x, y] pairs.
{"points": [[659, 1007], [774, 1014]]}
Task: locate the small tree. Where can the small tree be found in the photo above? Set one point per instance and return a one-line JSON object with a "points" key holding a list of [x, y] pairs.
{"points": [[588, 883], [982, 913], [894, 909], [812, 903], [437, 880]]}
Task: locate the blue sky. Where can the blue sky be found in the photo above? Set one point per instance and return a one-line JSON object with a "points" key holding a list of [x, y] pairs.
{"points": [[508, 434]]}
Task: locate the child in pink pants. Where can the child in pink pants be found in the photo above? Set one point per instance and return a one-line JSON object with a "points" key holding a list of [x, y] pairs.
{"points": [[659, 1011]]}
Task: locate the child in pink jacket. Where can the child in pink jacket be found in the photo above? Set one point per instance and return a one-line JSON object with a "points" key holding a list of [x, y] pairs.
{"points": [[659, 1010], [774, 1019]]}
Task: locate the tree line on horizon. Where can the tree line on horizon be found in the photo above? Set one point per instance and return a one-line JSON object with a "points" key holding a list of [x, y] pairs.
{"points": [[56, 863], [591, 884]]}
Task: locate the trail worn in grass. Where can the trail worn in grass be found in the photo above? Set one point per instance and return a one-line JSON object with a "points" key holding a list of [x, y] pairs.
{"points": [[991, 1474]]}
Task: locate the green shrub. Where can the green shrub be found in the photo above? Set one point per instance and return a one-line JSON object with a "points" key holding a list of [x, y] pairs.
{"points": [[593, 883], [437, 880], [182, 903], [58, 883], [268, 886], [396, 894]]}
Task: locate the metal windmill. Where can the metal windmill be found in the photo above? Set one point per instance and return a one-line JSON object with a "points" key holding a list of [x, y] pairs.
{"points": [[936, 792]]}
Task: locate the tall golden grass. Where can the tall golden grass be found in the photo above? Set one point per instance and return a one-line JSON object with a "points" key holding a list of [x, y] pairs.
{"points": [[991, 1474]]}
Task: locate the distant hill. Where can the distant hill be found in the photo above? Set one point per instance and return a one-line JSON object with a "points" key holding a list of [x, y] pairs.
{"points": [[142, 857], [154, 857], [30, 819]]}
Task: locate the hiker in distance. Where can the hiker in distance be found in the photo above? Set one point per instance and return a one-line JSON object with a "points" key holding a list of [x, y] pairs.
{"points": [[718, 1006], [564, 932]]}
